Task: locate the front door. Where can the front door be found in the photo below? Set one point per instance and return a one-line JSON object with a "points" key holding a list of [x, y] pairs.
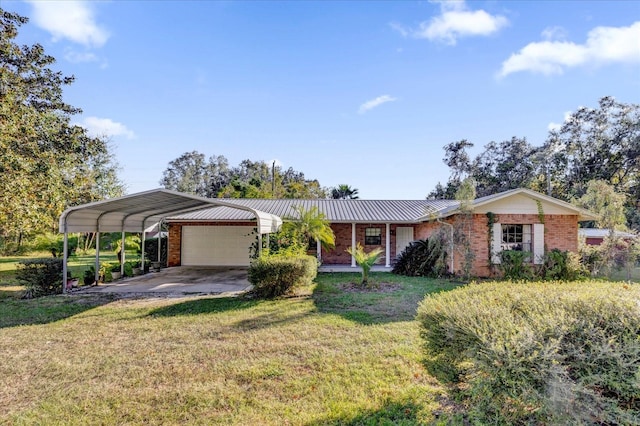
{"points": [[404, 235]]}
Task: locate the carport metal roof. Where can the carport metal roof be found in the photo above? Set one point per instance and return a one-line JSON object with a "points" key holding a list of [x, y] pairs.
{"points": [[136, 212]]}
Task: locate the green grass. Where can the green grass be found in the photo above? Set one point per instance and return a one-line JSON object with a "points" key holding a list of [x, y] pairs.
{"points": [[10, 288], [326, 357]]}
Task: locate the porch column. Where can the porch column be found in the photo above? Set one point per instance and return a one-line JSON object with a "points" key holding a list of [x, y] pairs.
{"points": [[319, 251], [387, 261], [353, 244]]}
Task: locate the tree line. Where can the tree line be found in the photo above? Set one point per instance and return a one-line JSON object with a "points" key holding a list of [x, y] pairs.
{"points": [[595, 148]]}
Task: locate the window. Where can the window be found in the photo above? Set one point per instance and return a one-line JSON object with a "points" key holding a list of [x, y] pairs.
{"points": [[516, 237], [372, 237]]}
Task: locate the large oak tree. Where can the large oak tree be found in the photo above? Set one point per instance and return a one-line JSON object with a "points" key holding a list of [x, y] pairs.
{"points": [[46, 163]]}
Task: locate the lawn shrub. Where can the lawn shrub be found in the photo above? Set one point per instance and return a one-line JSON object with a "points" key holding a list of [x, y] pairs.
{"points": [[562, 265], [40, 277], [277, 275], [539, 352], [422, 258], [514, 266]]}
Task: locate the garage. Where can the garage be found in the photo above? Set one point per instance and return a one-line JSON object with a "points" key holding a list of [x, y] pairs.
{"points": [[216, 245]]}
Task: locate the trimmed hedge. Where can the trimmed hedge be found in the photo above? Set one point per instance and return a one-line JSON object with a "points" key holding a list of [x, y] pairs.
{"points": [[277, 275], [538, 353], [40, 277]]}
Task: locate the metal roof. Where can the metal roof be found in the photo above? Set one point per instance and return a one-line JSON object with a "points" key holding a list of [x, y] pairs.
{"points": [[601, 233], [136, 212], [582, 213], [336, 211]]}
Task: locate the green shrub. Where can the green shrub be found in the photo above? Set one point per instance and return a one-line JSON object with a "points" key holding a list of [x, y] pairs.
{"points": [[40, 277], [538, 353], [562, 265], [277, 275], [514, 266], [128, 269], [89, 276], [422, 258]]}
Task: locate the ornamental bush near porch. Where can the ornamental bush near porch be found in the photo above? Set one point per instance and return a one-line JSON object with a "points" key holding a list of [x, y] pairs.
{"points": [[274, 275], [538, 352]]}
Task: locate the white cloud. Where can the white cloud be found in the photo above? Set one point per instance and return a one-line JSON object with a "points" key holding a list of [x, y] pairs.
{"points": [[71, 20], [455, 21], [554, 33], [604, 45], [373, 103], [75, 56], [98, 127], [557, 126]]}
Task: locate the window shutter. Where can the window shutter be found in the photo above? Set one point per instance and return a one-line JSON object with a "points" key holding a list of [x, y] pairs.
{"points": [[496, 244], [538, 243]]}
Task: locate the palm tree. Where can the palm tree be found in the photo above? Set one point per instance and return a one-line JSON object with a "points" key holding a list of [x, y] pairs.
{"points": [[344, 192], [308, 225], [365, 260]]}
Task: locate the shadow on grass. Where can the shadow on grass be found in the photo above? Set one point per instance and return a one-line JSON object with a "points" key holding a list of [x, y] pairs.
{"points": [[44, 310], [392, 413], [205, 306], [391, 298]]}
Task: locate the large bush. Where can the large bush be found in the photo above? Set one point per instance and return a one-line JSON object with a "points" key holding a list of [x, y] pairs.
{"points": [[277, 275], [538, 353], [422, 258], [40, 277]]}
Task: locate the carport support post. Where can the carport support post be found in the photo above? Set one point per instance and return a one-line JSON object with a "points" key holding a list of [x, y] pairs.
{"points": [[97, 275], [319, 251], [122, 255], [144, 234], [65, 251], [259, 244]]}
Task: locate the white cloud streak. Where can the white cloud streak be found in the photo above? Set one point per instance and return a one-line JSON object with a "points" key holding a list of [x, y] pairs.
{"points": [[604, 45], [71, 20], [101, 127], [373, 103], [455, 21]]}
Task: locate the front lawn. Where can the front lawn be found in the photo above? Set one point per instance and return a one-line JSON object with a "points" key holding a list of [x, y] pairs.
{"points": [[336, 355]]}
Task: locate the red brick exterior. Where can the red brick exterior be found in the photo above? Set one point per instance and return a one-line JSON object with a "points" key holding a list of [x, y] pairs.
{"points": [[561, 232]]}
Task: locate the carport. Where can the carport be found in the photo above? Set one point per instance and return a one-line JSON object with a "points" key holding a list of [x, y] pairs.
{"points": [[141, 211]]}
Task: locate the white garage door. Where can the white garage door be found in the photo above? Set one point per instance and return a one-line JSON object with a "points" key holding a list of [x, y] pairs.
{"points": [[216, 245]]}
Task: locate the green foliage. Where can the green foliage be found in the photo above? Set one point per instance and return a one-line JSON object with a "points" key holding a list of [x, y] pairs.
{"points": [[344, 192], [278, 275], [538, 353], [193, 174], [308, 225], [593, 144], [422, 258], [47, 162], [89, 276], [365, 260], [514, 266], [151, 250], [40, 277], [562, 265], [608, 204]]}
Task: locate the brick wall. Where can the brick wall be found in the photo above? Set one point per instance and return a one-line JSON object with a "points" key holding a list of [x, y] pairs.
{"points": [[342, 232], [560, 232], [174, 256]]}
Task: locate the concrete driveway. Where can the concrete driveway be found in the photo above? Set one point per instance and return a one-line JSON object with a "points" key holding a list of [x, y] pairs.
{"points": [[180, 280]]}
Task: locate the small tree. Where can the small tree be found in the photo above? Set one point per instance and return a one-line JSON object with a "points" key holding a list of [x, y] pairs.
{"points": [[307, 225], [365, 260]]}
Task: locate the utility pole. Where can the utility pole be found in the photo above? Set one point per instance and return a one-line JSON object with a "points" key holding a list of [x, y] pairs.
{"points": [[273, 178]]}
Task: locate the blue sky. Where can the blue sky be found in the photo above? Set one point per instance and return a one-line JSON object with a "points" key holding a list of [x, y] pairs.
{"points": [[362, 93]]}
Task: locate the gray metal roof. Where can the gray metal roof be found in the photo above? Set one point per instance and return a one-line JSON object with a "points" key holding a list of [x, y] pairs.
{"points": [[601, 233], [337, 211], [583, 214], [135, 212]]}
